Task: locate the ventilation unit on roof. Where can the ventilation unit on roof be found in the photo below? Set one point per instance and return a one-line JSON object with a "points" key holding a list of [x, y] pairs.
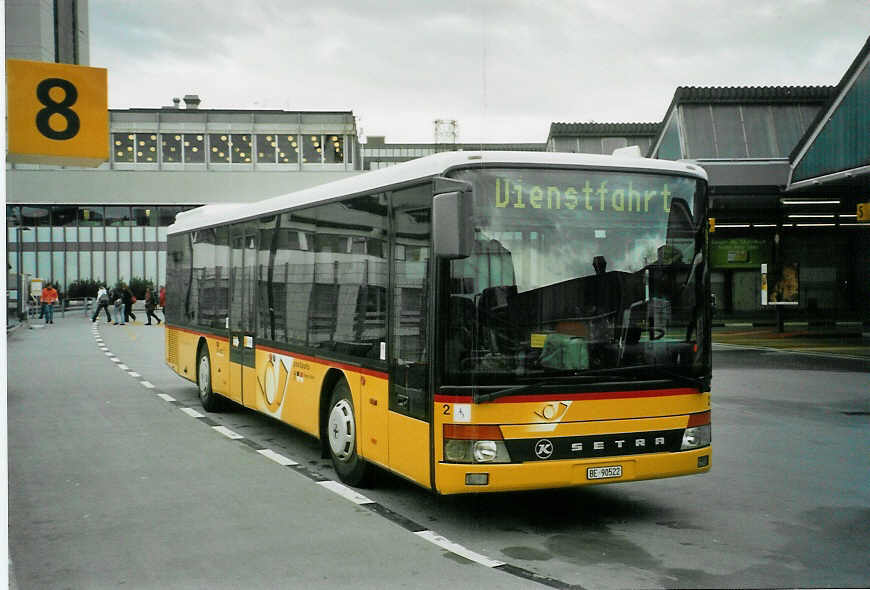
{"points": [[632, 151]]}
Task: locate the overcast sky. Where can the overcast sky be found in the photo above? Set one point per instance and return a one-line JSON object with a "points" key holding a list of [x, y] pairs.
{"points": [[504, 69]]}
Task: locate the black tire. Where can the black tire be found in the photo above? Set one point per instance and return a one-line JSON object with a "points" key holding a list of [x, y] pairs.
{"points": [[341, 438], [211, 401]]}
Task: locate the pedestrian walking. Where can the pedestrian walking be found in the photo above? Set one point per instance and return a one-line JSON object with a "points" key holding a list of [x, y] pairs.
{"points": [[48, 299], [150, 306], [129, 299], [102, 303], [117, 297]]}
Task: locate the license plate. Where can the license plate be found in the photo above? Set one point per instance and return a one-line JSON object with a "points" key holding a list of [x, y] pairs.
{"points": [[604, 472]]}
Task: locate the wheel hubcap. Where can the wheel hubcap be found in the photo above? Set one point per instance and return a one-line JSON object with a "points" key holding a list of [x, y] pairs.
{"points": [[341, 430], [204, 376]]}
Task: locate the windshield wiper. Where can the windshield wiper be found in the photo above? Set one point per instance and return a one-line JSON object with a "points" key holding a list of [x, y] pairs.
{"points": [[700, 383], [488, 396], [555, 381]]}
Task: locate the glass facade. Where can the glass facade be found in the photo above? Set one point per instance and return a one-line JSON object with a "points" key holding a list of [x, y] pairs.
{"points": [[67, 243], [843, 142], [727, 131], [234, 148]]}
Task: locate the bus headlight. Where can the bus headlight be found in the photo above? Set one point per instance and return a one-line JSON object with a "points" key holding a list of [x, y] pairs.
{"points": [[696, 437], [484, 451], [466, 444]]}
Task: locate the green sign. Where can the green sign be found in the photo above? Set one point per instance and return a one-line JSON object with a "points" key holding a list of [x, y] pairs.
{"points": [[739, 253]]}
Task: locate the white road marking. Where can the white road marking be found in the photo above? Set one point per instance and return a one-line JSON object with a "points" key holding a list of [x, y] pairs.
{"points": [[458, 549], [108, 353], [767, 349], [345, 492], [114, 359], [192, 413], [228, 433], [166, 397], [123, 367], [133, 374], [277, 458], [147, 384]]}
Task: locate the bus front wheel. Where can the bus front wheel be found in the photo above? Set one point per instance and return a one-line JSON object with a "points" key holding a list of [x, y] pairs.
{"points": [[210, 401], [341, 435]]}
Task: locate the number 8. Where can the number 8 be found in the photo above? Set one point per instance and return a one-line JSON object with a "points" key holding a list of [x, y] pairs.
{"points": [[73, 124]]}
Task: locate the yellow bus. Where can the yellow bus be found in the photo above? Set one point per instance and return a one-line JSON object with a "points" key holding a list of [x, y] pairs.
{"points": [[471, 321]]}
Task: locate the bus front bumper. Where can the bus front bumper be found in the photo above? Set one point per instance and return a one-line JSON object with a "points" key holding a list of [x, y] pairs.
{"points": [[454, 478]]}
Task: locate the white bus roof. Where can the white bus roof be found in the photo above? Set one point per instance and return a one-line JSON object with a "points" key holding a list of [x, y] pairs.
{"points": [[426, 167]]}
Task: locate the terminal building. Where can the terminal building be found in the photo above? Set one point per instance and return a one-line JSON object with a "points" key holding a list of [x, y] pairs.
{"points": [[108, 223], [787, 165]]}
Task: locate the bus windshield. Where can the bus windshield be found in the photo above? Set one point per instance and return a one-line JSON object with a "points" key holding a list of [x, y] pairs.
{"points": [[592, 274]]}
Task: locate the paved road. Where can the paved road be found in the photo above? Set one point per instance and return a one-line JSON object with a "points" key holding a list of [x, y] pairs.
{"points": [[110, 485], [786, 504]]}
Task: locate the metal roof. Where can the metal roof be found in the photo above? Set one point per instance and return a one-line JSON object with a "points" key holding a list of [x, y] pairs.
{"points": [[751, 94], [603, 129]]}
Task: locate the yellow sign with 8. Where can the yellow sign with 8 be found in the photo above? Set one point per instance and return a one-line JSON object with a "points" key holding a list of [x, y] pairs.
{"points": [[58, 113]]}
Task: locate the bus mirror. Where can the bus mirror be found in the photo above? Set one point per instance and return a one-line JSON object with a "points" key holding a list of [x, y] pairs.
{"points": [[451, 230]]}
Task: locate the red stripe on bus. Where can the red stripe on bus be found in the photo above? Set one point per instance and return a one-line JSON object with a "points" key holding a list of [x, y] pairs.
{"points": [[303, 357], [516, 399]]}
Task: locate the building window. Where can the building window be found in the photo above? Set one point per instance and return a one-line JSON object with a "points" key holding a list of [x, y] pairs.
{"points": [[670, 149], [122, 147], [333, 152], [698, 121], [312, 149], [146, 148], [728, 127], [144, 216], [62, 216], [194, 148], [219, 148], [35, 217], [97, 261], [118, 217], [267, 148], [288, 149], [90, 216], [241, 148], [172, 152]]}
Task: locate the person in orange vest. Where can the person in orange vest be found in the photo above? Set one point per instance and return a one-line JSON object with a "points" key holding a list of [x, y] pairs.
{"points": [[48, 298]]}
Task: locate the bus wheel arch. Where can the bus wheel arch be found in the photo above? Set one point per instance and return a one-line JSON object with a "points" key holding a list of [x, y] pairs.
{"points": [[339, 425]]}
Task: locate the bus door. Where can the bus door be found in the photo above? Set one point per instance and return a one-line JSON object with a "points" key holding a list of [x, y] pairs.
{"points": [[243, 288], [410, 401]]}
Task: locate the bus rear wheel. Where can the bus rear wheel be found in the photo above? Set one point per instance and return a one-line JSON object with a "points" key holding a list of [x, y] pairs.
{"points": [[210, 401], [341, 437]]}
